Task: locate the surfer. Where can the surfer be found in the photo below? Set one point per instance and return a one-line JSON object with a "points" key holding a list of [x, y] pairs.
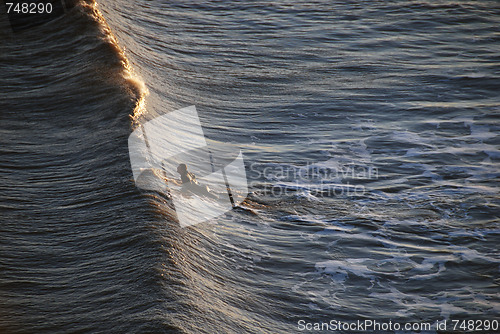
{"points": [[189, 182], [186, 177]]}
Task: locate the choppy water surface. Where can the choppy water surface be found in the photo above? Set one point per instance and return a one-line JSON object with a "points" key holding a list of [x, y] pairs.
{"points": [[370, 136]]}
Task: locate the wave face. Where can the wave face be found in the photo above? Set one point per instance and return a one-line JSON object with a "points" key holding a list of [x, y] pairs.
{"points": [[370, 133]]}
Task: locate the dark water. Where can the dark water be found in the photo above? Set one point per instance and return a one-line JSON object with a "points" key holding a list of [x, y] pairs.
{"points": [[370, 136]]}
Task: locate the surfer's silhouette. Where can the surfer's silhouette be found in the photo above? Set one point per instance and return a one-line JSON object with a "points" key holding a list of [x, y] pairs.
{"points": [[191, 185], [189, 182], [186, 177]]}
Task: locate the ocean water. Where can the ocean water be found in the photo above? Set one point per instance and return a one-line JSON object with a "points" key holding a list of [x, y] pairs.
{"points": [[370, 134]]}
